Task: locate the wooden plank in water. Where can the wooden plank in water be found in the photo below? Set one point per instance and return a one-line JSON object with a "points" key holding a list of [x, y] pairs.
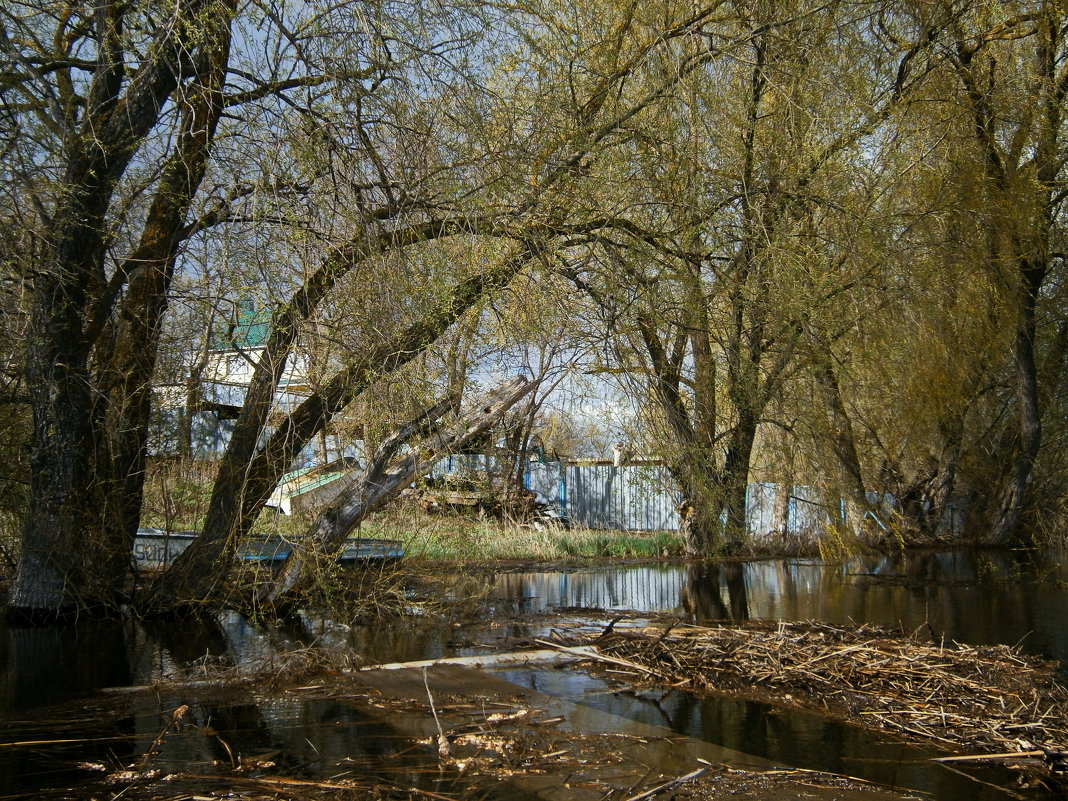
{"points": [[543, 656]]}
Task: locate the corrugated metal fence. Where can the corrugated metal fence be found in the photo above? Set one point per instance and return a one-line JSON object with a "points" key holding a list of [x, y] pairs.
{"points": [[630, 497], [646, 498], [627, 497]]}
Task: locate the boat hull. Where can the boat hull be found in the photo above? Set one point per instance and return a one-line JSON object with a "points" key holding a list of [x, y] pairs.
{"points": [[155, 549]]}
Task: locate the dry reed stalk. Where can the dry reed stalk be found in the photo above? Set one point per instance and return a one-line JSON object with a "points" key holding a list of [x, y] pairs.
{"points": [[985, 698]]}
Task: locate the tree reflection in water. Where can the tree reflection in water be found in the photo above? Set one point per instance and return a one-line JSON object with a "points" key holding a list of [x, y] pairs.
{"points": [[702, 593]]}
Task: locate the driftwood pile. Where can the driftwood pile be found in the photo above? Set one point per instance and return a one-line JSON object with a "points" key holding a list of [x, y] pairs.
{"points": [[984, 699]]}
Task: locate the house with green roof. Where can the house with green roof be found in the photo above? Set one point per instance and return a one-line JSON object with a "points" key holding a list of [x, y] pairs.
{"points": [[235, 350]]}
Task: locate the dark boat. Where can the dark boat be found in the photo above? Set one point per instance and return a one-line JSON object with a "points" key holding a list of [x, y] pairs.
{"points": [[155, 548]]}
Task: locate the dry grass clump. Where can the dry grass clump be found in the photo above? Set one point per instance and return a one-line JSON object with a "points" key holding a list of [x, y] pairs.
{"points": [[355, 593], [986, 698], [268, 670]]}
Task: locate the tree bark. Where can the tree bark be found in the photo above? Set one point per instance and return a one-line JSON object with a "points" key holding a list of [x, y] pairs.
{"points": [[699, 519], [735, 480], [71, 300], [1005, 527], [127, 369]]}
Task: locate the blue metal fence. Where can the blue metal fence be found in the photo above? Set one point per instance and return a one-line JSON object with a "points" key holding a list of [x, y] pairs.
{"points": [[646, 498], [628, 497]]}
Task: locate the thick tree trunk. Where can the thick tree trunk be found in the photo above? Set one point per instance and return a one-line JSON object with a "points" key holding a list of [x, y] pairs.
{"points": [[1005, 525], [736, 481], [384, 479], [736, 529], [129, 361], [693, 436], [939, 493], [68, 560], [699, 523], [125, 412], [1020, 229], [48, 580], [938, 486], [713, 508]]}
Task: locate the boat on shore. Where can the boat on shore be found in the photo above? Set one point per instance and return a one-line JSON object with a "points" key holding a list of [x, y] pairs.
{"points": [[156, 548]]}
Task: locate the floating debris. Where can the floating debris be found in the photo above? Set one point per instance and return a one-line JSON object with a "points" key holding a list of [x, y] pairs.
{"points": [[980, 698]]}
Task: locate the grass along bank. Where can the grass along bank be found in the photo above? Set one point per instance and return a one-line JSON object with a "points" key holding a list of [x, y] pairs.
{"points": [[456, 539], [177, 495]]}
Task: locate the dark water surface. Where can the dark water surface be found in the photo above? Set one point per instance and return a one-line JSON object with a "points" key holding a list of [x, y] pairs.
{"points": [[980, 598], [48, 676]]}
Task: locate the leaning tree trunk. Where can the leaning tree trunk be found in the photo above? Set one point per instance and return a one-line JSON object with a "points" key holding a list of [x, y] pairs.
{"points": [[693, 435], [382, 480], [249, 473]]}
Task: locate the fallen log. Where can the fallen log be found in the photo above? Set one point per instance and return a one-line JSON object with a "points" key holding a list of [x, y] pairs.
{"points": [[987, 757], [588, 652], [669, 785], [539, 657]]}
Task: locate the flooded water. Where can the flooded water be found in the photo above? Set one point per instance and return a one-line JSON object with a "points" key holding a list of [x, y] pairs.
{"points": [[969, 597], [48, 676], [979, 598], [784, 737]]}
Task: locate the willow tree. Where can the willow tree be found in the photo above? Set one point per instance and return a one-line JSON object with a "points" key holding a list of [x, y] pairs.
{"points": [[733, 283], [137, 129], [943, 377], [438, 160], [90, 86], [919, 357], [1010, 61]]}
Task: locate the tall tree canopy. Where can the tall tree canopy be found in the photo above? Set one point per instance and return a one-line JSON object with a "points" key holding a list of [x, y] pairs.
{"points": [[820, 241]]}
